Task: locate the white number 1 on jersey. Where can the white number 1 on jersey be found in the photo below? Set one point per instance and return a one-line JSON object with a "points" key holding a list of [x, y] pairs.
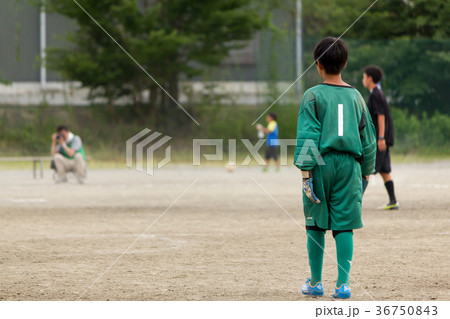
{"points": [[340, 119]]}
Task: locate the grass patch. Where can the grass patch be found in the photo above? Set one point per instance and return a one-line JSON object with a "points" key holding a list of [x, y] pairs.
{"points": [[26, 131]]}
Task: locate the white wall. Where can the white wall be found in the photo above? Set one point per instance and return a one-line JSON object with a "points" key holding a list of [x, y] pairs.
{"points": [[59, 93]]}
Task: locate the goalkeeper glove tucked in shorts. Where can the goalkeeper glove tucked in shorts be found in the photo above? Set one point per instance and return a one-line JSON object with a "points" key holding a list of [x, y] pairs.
{"points": [[308, 186]]}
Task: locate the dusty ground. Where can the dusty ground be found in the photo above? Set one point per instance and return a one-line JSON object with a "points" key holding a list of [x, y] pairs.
{"points": [[224, 239]]}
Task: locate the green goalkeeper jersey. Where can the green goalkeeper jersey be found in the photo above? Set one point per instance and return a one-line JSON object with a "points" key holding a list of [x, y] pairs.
{"points": [[334, 118]]}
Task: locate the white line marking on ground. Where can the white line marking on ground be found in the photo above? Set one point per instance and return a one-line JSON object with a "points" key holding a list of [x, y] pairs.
{"points": [[445, 186], [27, 200]]}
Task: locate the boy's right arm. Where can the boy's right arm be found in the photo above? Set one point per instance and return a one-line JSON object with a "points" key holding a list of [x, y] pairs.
{"points": [[369, 144]]}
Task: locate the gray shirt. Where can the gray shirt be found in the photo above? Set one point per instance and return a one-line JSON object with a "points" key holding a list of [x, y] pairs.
{"points": [[76, 144]]}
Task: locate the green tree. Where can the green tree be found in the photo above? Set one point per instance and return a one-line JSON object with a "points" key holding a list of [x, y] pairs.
{"points": [[386, 19], [171, 39], [409, 39]]}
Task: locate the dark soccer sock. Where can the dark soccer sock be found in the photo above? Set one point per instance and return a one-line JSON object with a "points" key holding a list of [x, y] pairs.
{"points": [[315, 244], [344, 251], [390, 189]]}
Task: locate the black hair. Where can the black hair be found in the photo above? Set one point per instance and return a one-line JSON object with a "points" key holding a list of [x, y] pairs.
{"points": [[273, 115], [62, 128], [332, 53], [375, 72]]}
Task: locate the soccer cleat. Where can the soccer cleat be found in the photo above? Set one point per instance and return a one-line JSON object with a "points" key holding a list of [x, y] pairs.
{"points": [[390, 206], [309, 290], [343, 292]]}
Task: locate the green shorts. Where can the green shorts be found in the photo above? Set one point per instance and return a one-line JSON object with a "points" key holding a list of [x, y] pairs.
{"points": [[338, 185]]}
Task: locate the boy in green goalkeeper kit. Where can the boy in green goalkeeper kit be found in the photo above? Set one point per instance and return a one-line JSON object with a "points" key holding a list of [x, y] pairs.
{"points": [[336, 148]]}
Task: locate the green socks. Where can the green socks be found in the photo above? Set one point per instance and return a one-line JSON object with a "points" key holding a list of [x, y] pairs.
{"points": [[315, 244], [344, 251]]}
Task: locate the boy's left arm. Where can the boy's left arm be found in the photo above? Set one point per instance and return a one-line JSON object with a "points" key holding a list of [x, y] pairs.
{"points": [[307, 146], [381, 133], [308, 136]]}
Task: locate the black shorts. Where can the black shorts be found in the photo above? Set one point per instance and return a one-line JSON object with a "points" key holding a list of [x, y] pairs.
{"points": [[271, 152], [335, 232], [383, 162]]}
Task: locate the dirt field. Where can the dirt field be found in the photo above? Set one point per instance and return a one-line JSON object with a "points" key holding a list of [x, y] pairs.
{"points": [[224, 239]]}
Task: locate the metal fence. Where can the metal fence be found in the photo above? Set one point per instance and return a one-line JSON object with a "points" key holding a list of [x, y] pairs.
{"points": [[20, 40], [268, 57]]}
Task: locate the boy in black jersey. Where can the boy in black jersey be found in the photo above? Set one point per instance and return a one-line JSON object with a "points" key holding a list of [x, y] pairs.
{"points": [[382, 119]]}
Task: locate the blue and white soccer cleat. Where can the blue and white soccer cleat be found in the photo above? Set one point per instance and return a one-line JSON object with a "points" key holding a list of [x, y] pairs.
{"points": [[309, 290], [343, 292]]}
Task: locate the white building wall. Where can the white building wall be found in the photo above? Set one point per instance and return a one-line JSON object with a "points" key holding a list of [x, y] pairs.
{"points": [[70, 93]]}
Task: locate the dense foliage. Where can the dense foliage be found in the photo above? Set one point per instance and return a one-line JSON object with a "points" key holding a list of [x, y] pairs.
{"points": [[182, 38], [27, 131], [168, 38], [410, 40]]}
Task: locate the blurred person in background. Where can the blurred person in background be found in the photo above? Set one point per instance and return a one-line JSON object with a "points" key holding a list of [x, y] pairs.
{"points": [[272, 140], [68, 155]]}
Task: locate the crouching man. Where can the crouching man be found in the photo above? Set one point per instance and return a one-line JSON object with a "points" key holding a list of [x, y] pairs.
{"points": [[68, 155]]}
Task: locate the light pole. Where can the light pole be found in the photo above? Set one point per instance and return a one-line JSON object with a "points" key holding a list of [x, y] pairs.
{"points": [[43, 46], [298, 47]]}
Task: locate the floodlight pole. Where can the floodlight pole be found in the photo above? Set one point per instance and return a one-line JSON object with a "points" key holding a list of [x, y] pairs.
{"points": [[43, 46], [298, 47]]}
